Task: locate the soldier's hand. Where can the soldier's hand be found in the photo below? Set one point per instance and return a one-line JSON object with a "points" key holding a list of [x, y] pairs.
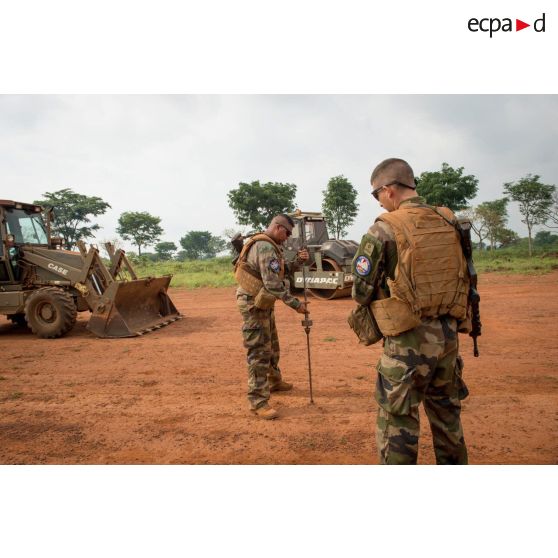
{"points": [[302, 254], [303, 308]]}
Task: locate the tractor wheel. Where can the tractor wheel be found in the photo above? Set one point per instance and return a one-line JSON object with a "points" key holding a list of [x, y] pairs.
{"points": [[50, 312], [18, 319]]}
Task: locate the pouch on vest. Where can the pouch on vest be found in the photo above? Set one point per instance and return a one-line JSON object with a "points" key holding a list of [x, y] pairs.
{"points": [[464, 326], [394, 316], [264, 300], [246, 280], [362, 322]]}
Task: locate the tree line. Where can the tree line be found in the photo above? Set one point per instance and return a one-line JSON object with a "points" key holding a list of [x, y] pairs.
{"points": [[73, 215], [254, 204]]}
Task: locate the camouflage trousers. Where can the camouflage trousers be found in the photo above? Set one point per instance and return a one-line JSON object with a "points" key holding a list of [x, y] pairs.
{"points": [[421, 365], [262, 344]]}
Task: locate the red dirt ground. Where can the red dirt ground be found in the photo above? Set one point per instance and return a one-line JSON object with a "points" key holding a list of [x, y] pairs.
{"points": [[178, 395]]}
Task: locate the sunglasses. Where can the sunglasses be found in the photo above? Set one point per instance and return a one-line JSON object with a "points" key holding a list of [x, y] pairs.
{"points": [[286, 230], [376, 192]]}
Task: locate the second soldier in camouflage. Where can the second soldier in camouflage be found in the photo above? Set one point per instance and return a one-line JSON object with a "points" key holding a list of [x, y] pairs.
{"points": [[260, 272]]}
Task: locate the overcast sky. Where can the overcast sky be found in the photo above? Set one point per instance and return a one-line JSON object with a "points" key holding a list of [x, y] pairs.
{"points": [[177, 156]]}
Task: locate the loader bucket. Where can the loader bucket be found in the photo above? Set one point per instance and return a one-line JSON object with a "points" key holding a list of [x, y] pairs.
{"points": [[130, 308]]}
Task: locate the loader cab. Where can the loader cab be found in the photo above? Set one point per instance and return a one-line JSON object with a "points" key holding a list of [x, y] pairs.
{"points": [[26, 227], [20, 225], [315, 232]]}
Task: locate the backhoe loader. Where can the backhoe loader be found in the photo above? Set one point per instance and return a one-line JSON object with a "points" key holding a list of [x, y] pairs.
{"points": [[44, 286]]}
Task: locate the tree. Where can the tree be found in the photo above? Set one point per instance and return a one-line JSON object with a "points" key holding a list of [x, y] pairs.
{"points": [[201, 245], [493, 215], [148, 257], [256, 204], [535, 201], [448, 187], [505, 237], [165, 250], [339, 205], [140, 227], [72, 212], [478, 225], [552, 213], [545, 238]]}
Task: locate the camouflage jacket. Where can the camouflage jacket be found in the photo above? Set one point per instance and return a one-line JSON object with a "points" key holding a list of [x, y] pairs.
{"points": [[263, 258]]}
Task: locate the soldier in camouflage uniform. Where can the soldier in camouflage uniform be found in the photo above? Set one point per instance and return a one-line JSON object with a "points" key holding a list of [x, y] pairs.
{"points": [[420, 364], [263, 260]]}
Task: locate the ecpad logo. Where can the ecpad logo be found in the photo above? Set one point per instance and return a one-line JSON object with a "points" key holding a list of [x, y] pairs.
{"points": [[494, 24]]}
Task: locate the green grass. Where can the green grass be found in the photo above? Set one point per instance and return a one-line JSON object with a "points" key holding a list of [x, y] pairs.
{"points": [[217, 272], [510, 260]]}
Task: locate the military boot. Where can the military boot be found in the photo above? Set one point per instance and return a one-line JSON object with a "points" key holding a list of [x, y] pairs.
{"points": [[265, 412], [281, 386]]}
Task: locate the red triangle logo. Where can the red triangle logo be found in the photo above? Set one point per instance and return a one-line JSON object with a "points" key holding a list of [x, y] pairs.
{"points": [[519, 25]]}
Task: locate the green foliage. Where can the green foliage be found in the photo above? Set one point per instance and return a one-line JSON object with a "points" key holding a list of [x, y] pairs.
{"points": [[546, 239], [492, 216], [200, 245], [256, 204], [72, 213], [216, 272], [165, 250], [447, 187], [515, 259], [535, 200], [552, 212], [149, 257], [506, 237], [339, 205], [140, 227]]}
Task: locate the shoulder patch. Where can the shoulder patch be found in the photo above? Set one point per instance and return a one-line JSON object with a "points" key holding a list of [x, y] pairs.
{"points": [[367, 259], [369, 244], [363, 266], [274, 265]]}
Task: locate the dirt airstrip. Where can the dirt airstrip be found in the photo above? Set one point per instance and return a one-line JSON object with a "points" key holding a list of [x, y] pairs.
{"points": [[178, 395]]}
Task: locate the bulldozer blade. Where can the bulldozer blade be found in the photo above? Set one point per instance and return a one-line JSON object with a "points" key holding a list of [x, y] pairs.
{"points": [[131, 308]]}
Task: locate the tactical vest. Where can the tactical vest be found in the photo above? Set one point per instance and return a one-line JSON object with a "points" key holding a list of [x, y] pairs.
{"points": [[431, 277], [249, 278]]}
